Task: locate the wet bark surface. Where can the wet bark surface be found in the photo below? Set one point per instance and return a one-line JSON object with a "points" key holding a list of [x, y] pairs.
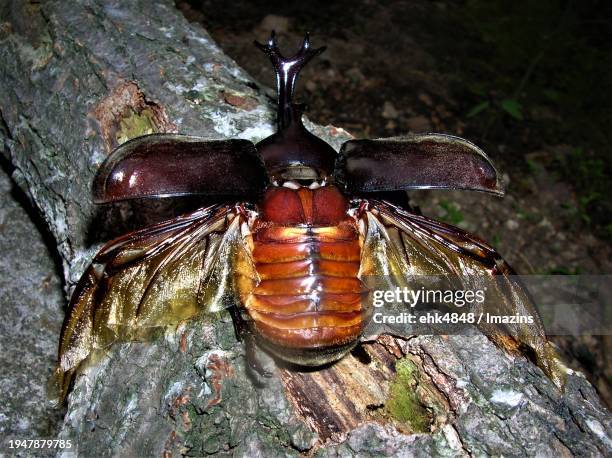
{"points": [[77, 79]]}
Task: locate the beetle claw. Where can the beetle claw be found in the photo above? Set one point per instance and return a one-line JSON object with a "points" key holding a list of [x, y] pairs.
{"points": [[256, 365]]}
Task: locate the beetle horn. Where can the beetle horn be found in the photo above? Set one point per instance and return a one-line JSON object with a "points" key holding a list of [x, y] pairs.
{"points": [[287, 70], [292, 152]]}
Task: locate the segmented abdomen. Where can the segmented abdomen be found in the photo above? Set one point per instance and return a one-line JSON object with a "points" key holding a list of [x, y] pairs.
{"points": [[308, 295]]}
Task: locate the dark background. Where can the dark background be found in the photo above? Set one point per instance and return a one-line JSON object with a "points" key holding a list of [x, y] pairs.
{"points": [[529, 81]]}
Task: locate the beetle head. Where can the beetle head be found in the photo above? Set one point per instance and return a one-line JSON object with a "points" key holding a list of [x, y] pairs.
{"points": [[293, 153]]}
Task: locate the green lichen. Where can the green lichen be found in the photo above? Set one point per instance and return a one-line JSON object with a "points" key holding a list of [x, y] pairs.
{"points": [[404, 404], [209, 93], [136, 124]]}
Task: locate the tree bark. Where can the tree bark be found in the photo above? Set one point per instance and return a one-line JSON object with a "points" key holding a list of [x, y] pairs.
{"points": [[80, 77]]}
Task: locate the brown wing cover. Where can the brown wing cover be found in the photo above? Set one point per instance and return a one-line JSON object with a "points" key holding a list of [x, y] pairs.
{"points": [[418, 161], [401, 246], [153, 277], [160, 165]]}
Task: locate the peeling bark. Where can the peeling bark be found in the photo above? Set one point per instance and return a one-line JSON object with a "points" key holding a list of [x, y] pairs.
{"points": [[79, 77], [126, 113]]}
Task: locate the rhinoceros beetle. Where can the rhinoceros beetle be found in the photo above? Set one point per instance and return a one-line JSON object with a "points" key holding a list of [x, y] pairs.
{"points": [[288, 254]]}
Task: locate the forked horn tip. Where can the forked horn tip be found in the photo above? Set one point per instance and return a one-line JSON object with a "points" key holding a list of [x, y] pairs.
{"points": [[272, 40], [271, 46]]}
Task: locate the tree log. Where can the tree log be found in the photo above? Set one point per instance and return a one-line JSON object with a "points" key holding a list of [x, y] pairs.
{"points": [[31, 306], [80, 77]]}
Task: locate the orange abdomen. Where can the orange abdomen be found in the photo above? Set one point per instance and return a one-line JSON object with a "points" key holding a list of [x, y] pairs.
{"points": [[308, 295]]}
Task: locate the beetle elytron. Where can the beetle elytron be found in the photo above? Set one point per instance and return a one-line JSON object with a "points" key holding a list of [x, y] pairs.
{"points": [[289, 255]]}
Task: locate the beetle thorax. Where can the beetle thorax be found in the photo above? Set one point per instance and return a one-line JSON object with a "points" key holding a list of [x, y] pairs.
{"points": [[295, 204]]}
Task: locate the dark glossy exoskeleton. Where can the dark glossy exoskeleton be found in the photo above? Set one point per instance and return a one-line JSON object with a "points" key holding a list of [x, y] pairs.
{"points": [[290, 254]]}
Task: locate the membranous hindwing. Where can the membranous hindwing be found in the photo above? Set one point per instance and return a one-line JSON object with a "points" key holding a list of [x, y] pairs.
{"points": [[232, 263], [387, 266], [430, 255], [382, 268], [152, 278]]}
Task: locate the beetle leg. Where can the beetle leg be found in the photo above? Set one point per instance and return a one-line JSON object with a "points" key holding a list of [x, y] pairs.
{"points": [[245, 335], [252, 358], [240, 326]]}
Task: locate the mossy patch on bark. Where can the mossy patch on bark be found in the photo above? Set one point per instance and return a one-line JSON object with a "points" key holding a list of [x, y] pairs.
{"points": [[135, 125], [404, 404]]}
